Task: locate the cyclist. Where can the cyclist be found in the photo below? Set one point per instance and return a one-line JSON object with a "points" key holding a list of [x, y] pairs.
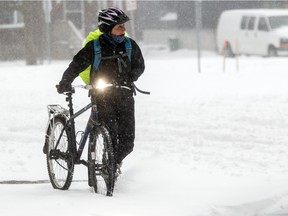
{"points": [[116, 105]]}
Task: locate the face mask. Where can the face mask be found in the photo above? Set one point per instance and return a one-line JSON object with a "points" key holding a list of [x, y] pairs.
{"points": [[118, 38]]}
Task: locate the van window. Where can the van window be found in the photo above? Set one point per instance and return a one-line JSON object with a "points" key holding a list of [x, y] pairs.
{"points": [[244, 22], [262, 25], [278, 21], [251, 23]]}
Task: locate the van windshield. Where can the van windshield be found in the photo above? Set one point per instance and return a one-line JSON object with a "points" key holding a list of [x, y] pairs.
{"points": [[278, 21]]}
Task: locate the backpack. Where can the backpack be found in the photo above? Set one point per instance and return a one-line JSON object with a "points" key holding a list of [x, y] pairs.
{"points": [[85, 75]]}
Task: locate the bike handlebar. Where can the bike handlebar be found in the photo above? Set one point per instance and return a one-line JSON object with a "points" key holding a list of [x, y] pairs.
{"points": [[89, 87]]}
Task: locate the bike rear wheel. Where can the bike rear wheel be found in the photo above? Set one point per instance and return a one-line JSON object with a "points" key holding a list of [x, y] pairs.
{"points": [[60, 164], [101, 161]]}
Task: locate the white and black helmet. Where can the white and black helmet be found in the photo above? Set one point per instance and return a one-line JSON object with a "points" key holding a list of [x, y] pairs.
{"points": [[112, 16]]}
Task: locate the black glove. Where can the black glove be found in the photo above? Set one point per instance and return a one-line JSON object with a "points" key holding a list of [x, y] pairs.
{"points": [[64, 86]]}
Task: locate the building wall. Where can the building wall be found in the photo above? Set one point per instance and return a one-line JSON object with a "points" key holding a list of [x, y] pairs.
{"points": [[187, 39], [66, 40]]}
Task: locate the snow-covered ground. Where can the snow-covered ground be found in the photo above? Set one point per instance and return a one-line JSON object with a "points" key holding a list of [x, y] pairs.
{"points": [[212, 143]]}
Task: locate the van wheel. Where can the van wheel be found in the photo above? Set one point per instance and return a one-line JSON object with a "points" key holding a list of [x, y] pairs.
{"points": [[228, 51], [272, 51]]}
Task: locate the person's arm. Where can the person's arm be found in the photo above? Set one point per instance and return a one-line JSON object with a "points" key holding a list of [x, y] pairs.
{"points": [[81, 60], [137, 62]]}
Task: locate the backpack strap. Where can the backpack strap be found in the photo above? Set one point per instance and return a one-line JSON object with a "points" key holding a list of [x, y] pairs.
{"points": [[128, 47], [97, 54]]}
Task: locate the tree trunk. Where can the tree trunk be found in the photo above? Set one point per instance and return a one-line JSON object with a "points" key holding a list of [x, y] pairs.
{"points": [[34, 23], [33, 31]]}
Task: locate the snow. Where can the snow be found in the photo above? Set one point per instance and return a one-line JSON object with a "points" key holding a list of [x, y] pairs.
{"points": [[207, 144]]}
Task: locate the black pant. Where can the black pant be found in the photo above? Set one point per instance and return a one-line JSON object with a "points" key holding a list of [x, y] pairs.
{"points": [[116, 111]]}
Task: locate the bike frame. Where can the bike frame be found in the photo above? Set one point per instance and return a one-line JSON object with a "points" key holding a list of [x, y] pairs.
{"points": [[69, 116], [70, 123]]}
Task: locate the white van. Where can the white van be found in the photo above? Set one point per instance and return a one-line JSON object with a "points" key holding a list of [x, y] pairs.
{"points": [[254, 31]]}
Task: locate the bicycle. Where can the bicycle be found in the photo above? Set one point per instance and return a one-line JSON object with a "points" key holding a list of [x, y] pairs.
{"points": [[62, 152], [61, 149]]}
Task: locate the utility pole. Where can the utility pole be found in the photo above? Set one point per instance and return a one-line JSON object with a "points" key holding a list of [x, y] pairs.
{"points": [[47, 7], [198, 15]]}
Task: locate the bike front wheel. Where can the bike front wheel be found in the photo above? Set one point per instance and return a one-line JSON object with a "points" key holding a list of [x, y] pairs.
{"points": [[101, 161], [59, 158]]}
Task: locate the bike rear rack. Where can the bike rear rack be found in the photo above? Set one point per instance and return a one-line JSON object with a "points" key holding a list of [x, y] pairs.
{"points": [[54, 109]]}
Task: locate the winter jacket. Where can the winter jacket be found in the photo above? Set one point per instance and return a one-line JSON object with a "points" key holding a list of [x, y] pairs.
{"points": [[108, 68], [85, 75]]}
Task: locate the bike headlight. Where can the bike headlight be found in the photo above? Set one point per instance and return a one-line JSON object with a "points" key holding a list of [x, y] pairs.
{"points": [[100, 84]]}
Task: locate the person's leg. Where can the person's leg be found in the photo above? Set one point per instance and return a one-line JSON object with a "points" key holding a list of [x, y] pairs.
{"points": [[126, 129], [107, 115]]}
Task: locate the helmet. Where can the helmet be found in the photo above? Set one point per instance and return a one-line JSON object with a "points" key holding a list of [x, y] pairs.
{"points": [[112, 16]]}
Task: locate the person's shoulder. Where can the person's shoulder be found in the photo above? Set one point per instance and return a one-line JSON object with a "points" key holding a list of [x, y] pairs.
{"points": [[131, 40], [133, 43], [89, 46], [90, 43]]}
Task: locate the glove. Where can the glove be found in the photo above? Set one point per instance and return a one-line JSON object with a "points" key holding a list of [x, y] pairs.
{"points": [[64, 86]]}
